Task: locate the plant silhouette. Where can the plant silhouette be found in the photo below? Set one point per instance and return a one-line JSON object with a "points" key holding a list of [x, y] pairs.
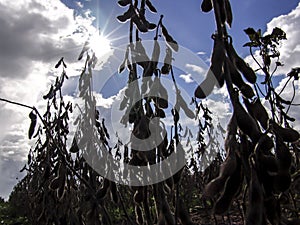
{"points": [[252, 179]]}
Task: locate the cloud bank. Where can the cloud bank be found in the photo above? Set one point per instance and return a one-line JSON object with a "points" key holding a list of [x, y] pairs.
{"points": [[34, 35]]}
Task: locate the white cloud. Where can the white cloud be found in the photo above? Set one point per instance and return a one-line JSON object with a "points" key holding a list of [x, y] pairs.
{"points": [[34, 35], [104, 102], [201, 53], [187, 78], [289, 56], [195, 68]]}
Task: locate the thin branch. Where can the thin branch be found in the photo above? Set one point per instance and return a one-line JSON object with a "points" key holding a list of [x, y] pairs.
{"points": [[17, 103], [293, 97], [252, 55], [284, 86], [157, 27]]}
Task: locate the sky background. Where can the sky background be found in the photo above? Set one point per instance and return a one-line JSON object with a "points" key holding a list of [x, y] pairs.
{"points": [[36, 33]]}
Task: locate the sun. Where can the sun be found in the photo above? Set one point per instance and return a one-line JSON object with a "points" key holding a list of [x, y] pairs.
{"points": [[100, 44]]}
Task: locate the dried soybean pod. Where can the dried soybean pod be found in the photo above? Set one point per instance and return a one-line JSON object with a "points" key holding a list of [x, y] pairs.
{"points": [[283, 155], [273, 211], [152, 65], [238, 81], [125, 61], [169, 218], [258, 111], [218, 59], [287, 134], [206, 5], [264, 144], [150, 6], [33, 119], [222, 10], [127, 15], [167, 61], [169, 39], [245, 122], [267, 165], [228, 167], [55, 183], [232, 188], [242, 66], [255, 210], [155, 52], [114, 192], [207, 85], [183, 213], [141, 57], [139, 195], [102, 192], [124, 3], [228, 11], [161, 219], [163, 93], [170, 183], [282, 180], [295, 221], [183, 105], [139, 215], [246, 148]]}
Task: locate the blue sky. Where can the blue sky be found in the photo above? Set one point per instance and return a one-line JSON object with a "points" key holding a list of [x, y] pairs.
{"points": [[36, 33], [188, 24]]}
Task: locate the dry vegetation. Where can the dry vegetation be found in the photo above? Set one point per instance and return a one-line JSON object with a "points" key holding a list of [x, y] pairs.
{"points": [[256, 183]]}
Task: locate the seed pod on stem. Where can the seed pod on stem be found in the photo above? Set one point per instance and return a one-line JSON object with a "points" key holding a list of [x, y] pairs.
{"points": [[245, 122], [207, 85], [228, 167], [232, 188], [255, 210], [287, 134], [238, 81], [258, 112], [183, 213], [218, 59], [206, 5], [242, 66]]}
